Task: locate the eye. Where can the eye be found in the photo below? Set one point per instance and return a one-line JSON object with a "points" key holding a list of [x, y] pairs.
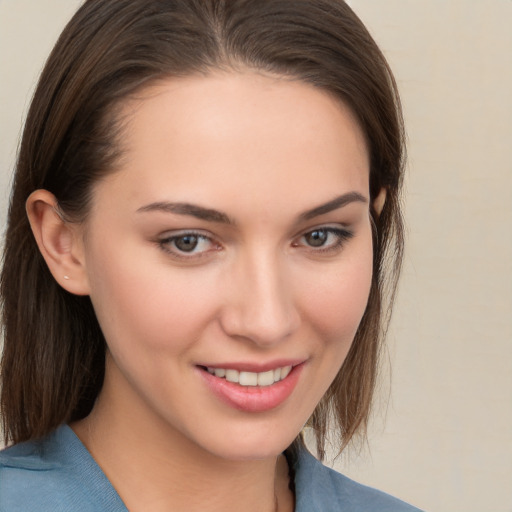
{"points": [[317, 238], [188, 245], [324, 239]]}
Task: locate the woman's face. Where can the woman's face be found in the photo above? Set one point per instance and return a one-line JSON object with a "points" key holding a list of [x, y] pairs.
{"points": [[231, 249]]}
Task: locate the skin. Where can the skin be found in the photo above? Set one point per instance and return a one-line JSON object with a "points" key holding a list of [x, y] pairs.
{"points": [[262, 150]]}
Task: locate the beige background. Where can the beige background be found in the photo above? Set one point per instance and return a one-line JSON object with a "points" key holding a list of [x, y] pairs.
{"points": [[445, 440]]}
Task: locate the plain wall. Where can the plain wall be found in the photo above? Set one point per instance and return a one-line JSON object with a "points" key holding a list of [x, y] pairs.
{"points": [[444, 439]]}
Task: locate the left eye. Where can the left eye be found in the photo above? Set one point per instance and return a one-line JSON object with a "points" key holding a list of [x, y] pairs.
{"points": [[317, 238], [325, 238]]}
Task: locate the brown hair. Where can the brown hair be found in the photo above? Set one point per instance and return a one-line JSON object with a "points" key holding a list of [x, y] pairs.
{"points": [[53, 358]]}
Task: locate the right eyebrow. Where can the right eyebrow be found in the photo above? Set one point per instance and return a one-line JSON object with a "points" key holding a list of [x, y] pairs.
{"points": [[193, 210]]}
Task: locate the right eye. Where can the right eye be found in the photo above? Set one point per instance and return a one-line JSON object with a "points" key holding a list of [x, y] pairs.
{"points": [[187, 245]]}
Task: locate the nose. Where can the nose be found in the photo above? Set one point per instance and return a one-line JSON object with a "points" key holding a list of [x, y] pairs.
{"points": [[259, 301]]}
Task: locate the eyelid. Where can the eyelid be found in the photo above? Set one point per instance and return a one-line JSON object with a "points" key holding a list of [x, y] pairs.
{"points": [[176, 233], [343, 233], [165, 240]]}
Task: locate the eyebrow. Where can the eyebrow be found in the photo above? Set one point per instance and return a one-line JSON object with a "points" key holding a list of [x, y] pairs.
{"points": [[193, 210], [334, 204], [212, 215]]}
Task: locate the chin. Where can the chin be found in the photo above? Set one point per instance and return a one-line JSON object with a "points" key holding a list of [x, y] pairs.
{"points": [[256, 445], [248, 453]]}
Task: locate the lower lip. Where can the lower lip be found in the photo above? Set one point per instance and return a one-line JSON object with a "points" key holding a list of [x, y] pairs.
{"points": [[253, 398]]}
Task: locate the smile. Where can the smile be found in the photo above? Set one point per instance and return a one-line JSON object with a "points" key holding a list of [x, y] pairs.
{"points": [[252, 391], [251, 378]]}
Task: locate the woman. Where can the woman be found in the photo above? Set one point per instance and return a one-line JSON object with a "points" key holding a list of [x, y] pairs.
{"points": [[195, 261]]}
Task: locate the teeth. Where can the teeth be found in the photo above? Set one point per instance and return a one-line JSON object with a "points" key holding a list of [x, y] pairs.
{"points": [[266, 378], [251, 378], [248, 379], [232, 375], [285, 371]]}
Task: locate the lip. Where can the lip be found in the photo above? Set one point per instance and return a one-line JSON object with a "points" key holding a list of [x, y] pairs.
{"points": [[254, 367], [253, 398]]}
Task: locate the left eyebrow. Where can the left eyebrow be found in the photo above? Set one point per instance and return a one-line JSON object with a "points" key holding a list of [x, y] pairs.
{"points": [[334, 204]]}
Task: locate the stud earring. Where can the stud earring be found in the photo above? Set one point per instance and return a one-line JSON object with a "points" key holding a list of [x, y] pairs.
{"points": [[66, 277]]}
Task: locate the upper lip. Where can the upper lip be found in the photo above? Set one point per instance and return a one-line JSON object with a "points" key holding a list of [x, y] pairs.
{"points": [[255, 367]]}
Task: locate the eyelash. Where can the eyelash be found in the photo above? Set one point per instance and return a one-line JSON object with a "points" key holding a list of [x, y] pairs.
{"points": [[166, 244], [342, 236]]}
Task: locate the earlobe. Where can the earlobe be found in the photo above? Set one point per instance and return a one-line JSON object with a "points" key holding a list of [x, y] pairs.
{"points": [[380, 201], [58, 241]]}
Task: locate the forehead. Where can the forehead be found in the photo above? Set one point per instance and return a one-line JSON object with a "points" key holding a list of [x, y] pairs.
{"points": [[225, 134]]}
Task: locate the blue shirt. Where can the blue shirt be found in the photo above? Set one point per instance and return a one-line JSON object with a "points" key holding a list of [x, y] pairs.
{"points": [[57, 474]]}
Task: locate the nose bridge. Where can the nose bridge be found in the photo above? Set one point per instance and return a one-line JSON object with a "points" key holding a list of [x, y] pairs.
{"points": [[261, 305]]}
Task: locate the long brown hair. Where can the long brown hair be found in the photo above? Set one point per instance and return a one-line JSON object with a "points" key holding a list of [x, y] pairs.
{"points": [[54, 350]]}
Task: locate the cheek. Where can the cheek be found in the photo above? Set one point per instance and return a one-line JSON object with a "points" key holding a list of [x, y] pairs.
{"points": [[336, 301], [148, 307]]}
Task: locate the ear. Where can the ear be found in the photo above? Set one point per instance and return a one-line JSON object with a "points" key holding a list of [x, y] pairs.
{"points": [[380, 201], [60, 242]]}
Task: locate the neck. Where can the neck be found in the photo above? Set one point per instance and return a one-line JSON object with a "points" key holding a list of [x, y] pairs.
{"points": [[155, 468]]}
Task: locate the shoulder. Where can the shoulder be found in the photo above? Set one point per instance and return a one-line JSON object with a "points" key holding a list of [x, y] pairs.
{"points": [[33, 476], [321, 489], [51, 474], [26, 472]]}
